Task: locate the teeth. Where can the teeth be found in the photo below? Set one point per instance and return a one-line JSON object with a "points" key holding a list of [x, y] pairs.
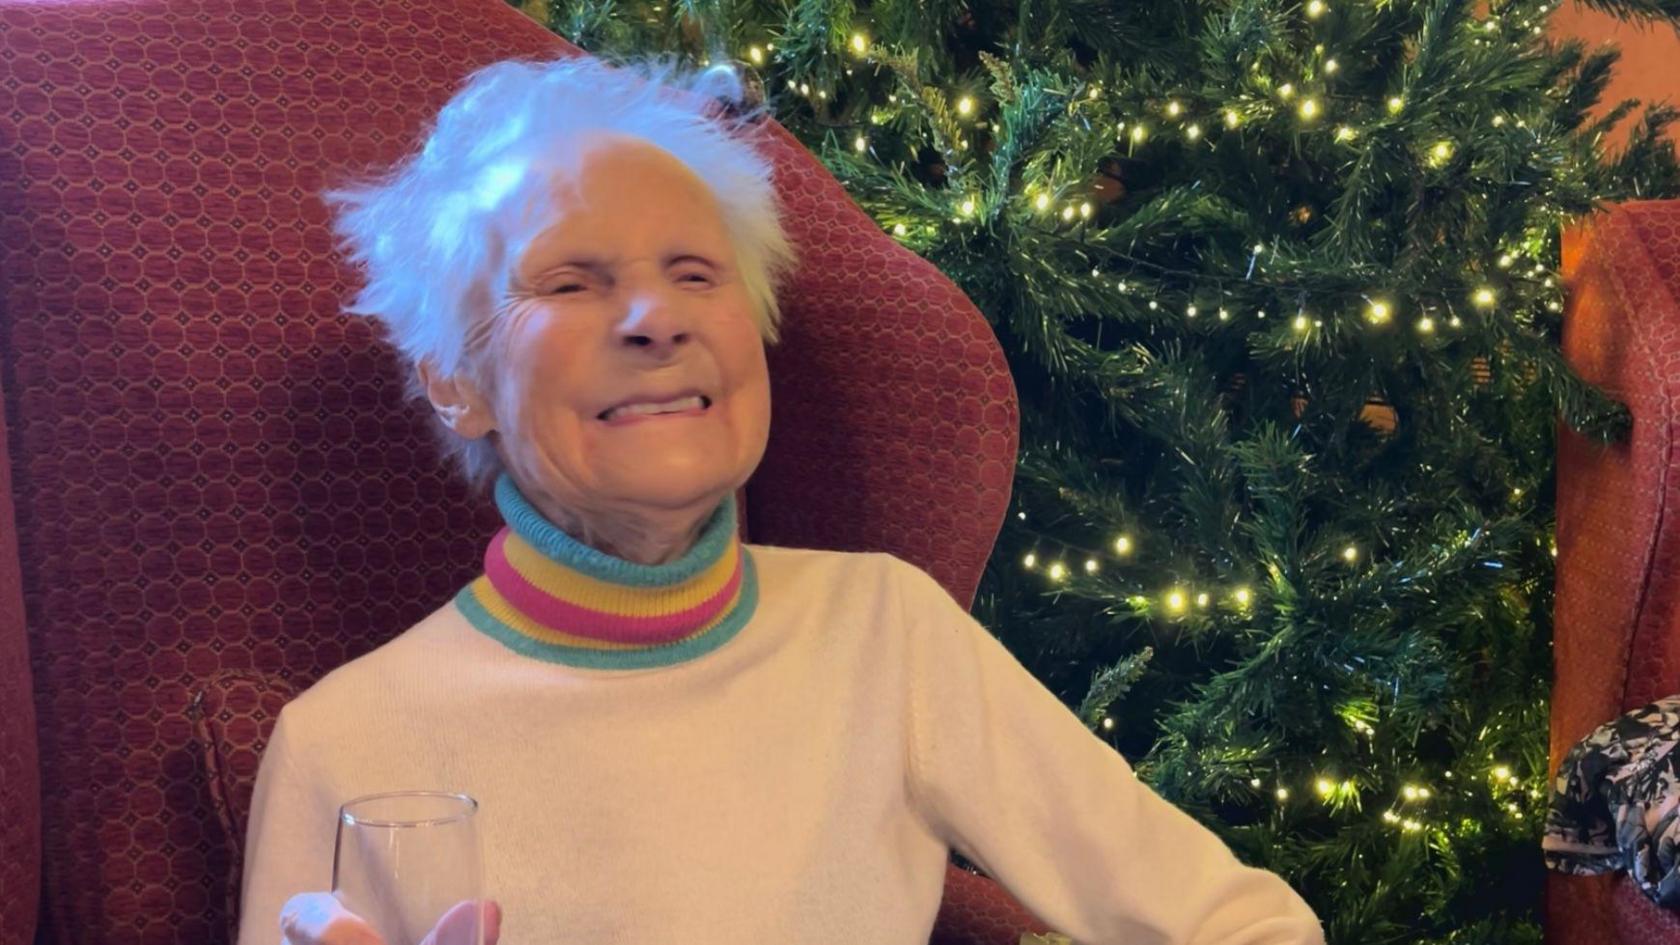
{"points": [[669, 406]]}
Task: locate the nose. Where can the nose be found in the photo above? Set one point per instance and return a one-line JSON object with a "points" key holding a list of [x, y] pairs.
{"points": [[654, 321]]}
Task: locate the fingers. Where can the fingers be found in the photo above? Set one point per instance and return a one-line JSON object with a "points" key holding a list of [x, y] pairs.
{"points": [[458, 924], [320, 919]]}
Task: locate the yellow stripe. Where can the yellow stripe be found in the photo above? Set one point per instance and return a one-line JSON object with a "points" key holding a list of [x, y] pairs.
{"points": [[618, 599], [498, 607]]}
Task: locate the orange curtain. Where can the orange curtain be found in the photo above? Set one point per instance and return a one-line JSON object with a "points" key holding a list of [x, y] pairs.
{"points": [[1650, 66]]}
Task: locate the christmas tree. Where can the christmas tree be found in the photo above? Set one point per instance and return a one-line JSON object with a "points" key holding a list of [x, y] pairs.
{"points": [[1278, 286]]}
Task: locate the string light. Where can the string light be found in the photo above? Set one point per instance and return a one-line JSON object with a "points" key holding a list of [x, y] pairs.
{"points": [[1350, 554], [1176, 602], [1426, 325], [1085, 209], [1283, 794], [1441, 152], [1193, 131], [1042, 202], [1123, 545], [861, 144], [1309, 108], [1315, 9], [1501, 773], [860, 44], [1395, 103], [1107, 724], [1344, 133], [1506, 260], [1202, 599], [1484, 297], [1242, 596], [1139, 132], [1301, 323], [1380, 311], [1331, 65], [756, 55], [1190, 311], [1173, 109], [1058, 571], [1090, 566], [1286, 89], [1325, 787], [899, 230], [1030, 561], [965, 106], [968, 207], [1224, 315], [1232, 119], [1254, 782]]}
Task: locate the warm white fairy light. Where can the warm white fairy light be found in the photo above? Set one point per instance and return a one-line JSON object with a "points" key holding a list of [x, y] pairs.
{"points": [[1441, 152], [1175, 601], [861, 144], [1484, 297], [756, 55], [1190, 311], [965, 106], [1193, 131], [1325, 787], [1085, 209], [1395, 103], [1350, 554], [1301, 323], [968, 207], [1282, 794], [1309, 108], [1316, 8], [860, 43], [1202, 599], [1123, 545], [1042, 201], [1254, 782], [1030, 561], [1506, 260], [1090, 566], [1331, 65], [1139, 132], [1174, 109], [1242, 596], [1379, 312], [1426, 325], [1286, 89], [1058, 571], [1232, 119], [1067, 212], [899, 229], [1224, 315]]}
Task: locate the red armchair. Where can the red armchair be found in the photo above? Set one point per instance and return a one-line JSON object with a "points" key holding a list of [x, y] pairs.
{"points": [[194, 426], [1618, 533]]}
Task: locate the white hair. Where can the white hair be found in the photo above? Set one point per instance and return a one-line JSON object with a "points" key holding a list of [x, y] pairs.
{"points": [[437, 234]]}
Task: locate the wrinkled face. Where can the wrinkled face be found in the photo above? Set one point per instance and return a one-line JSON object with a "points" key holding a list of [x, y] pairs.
{"points": [[630, 373]]}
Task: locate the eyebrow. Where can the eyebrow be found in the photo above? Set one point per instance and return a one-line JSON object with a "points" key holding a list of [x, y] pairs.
{"points": [[596, 263]]}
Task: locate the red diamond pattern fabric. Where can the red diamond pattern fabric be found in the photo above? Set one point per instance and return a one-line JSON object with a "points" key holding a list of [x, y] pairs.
{"points": [[215, 472], [1617, 623]]}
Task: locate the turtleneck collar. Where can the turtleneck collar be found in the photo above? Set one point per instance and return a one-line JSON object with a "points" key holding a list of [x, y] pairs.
{"points": [[547, 595]]}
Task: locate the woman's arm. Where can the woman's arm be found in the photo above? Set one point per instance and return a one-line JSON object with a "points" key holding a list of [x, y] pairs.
{"points": [[289, 841], [1011, 778]]}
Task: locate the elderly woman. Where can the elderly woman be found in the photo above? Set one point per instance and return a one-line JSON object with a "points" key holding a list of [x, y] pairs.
{"points": [[675, 737]]}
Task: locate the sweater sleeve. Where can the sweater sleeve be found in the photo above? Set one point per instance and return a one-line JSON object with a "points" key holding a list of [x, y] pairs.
{"points": [[1011, 778], [289, 842]]}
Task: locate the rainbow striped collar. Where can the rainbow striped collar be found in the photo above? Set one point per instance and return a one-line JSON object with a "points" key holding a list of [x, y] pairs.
{"points": [[547, 595]]}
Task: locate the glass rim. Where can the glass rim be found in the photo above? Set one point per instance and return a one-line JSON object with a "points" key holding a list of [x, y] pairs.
{"points": [[345, 816]]}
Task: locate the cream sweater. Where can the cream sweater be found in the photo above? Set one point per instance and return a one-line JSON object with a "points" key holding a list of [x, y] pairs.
{"points": [[799, 785]]}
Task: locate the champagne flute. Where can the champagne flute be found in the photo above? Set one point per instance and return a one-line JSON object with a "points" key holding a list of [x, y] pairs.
{"points": [[405, 858]]}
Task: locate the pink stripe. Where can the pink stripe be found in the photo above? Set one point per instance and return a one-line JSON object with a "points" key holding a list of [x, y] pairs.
{"points": [[566, 617]]}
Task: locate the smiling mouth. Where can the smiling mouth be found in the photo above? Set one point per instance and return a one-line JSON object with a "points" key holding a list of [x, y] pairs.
{"points": [[691, 406]]}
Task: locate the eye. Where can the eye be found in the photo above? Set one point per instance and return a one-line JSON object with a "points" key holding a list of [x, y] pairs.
{"points": [[567, 288], [694, 277]]}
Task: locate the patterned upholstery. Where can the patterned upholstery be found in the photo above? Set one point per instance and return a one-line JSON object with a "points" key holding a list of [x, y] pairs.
{"points": [[1618, 582], [20, 788], [215, 472]]}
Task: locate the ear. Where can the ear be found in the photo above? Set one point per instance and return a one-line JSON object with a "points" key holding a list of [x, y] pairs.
{"points": [[457, 400]]}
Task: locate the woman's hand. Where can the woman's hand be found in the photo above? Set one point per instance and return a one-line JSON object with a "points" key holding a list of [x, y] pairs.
{"points": [[320, 919]]}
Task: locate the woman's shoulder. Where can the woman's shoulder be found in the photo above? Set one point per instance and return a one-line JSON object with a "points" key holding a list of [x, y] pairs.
{"points": [[408, 656]]}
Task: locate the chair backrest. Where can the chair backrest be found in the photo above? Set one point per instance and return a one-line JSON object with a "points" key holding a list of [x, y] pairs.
{"points": [[1617, 622], [214, 469]]}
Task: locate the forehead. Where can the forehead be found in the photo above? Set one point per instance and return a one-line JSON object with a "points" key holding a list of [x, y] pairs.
{"points": [[619, 175]]}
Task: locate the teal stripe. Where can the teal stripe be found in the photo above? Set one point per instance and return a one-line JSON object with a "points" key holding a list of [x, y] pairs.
{"points": [[543, 535], [668, 654]]}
